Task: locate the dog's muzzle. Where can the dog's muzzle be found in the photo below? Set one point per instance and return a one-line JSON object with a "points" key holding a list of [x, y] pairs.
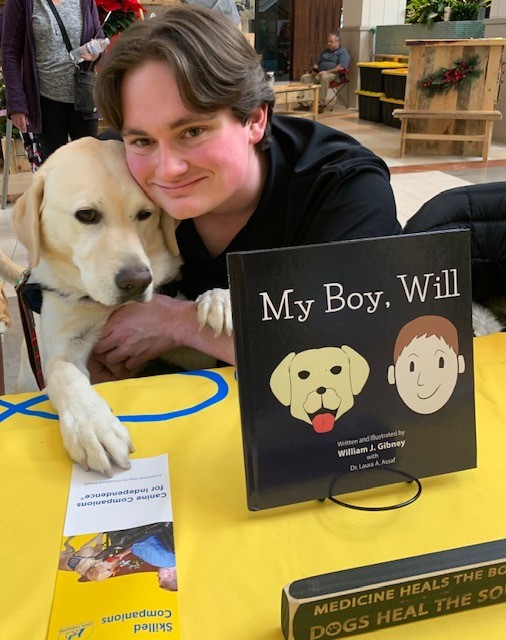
{"points": [[133, 281]]}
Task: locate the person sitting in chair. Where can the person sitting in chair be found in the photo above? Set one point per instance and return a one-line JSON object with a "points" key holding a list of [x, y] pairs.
{"points": [[331, 62]]}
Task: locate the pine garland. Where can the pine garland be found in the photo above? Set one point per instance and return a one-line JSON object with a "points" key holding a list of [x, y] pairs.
{"points": [[464, 71]]}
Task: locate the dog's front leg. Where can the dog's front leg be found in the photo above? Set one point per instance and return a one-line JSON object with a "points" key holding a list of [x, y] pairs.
{"points": [[91, 433]]}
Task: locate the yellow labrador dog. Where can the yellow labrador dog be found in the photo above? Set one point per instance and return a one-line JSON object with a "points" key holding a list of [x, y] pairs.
{"points": [[319, 385], [95, 242]]}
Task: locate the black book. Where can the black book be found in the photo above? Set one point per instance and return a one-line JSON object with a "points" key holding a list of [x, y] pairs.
{"points": [[354, 364]]}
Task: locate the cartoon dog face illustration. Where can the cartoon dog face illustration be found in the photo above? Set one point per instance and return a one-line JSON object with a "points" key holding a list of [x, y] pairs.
{"points": [[319, 385]]}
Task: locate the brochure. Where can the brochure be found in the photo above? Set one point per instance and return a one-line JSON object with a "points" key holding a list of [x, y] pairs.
{"points": [[117, 573], [354, 364]]}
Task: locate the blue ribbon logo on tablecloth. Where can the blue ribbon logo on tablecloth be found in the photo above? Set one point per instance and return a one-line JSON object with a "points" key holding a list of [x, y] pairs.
{"points": [[25, 407]]}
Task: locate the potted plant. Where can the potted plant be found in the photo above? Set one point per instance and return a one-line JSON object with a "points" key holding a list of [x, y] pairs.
{"points": [[428, 12], [123, 13]]}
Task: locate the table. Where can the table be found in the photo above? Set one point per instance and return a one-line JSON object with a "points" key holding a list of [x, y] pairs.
{"points": [[289, 94], [232, 563]]}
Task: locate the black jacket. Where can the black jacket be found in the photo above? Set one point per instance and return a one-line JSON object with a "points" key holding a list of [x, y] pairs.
{"points": [[482, 209]]}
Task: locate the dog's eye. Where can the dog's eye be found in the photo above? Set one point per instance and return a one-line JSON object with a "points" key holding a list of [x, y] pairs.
{"points": [[441, 362], [88, 216], [411, 367], [144, 215], [303, 375], [336, 370]]}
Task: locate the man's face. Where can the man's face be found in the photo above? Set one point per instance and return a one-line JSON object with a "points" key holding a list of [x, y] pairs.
{"points": [[332, 43], [426, 374], [188, 163]]}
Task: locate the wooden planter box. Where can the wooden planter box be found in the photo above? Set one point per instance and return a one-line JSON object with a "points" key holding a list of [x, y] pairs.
{"points": [[459, 121]]}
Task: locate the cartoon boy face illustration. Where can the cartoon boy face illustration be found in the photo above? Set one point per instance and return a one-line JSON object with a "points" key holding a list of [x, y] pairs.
{"points": [[426, 363]]}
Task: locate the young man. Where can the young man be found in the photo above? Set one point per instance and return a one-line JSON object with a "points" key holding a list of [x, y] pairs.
{"points": [[192, 103], [328, 65]]}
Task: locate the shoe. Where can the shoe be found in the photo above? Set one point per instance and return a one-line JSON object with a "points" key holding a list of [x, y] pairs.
{"points": [[321, 108], [301, 107]]}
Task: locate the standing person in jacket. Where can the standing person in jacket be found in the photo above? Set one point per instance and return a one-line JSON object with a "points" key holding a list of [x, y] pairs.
{"points": [[196, 118], [331, 61], [38, 72], [32, 147]]}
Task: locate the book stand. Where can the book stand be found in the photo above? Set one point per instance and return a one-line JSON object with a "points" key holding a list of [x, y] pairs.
{"points": [[398, 505]]}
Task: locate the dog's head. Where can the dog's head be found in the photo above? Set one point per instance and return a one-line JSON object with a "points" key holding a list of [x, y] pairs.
{"points": [[90, 228], [319, 385]]}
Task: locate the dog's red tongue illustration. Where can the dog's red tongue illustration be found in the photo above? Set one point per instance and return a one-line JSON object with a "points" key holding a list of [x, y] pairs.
{"points": [[323, 422]]}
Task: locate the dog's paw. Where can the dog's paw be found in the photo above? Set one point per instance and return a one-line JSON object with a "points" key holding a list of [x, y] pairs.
{"points": [[213, 309], [94, 437]]}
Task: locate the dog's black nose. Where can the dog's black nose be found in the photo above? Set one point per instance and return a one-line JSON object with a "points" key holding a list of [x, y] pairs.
{"points": [[321, 390], [133, 281]]}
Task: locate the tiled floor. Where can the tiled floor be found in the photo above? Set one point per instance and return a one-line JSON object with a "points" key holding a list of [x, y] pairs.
{"points": [[410, 188]]}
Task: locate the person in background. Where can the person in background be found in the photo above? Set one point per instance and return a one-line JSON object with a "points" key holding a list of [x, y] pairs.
{"points": [[202, 142], [38, 72], [31, 145], [226, 7], [333, 60]]}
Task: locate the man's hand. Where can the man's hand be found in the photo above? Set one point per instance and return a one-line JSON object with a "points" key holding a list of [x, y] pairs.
{"points": [[133, 335], [138, 333], [101, 371]]}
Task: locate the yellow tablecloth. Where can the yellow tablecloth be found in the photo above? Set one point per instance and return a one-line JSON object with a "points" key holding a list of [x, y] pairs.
{"points": [[232, 563]]}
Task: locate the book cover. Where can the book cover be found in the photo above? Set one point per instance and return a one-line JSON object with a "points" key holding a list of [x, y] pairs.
{"points": [[373, 597], [117, 574], [354, 364]]}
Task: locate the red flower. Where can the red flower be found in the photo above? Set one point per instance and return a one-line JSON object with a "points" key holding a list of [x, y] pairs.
{"points": [[108, 5], [131, 5], [124, 12]]}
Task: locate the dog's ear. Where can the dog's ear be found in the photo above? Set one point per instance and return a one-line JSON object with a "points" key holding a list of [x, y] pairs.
{"points": [[26, 217], [359, 369], [169, 232], [280, 380]]}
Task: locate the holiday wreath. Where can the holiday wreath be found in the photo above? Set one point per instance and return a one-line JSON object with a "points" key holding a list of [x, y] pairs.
{"points": [[443, 80]]}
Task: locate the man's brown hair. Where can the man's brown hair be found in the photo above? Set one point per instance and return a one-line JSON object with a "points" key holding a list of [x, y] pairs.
{"points": [[427, 326], [214, 65]]}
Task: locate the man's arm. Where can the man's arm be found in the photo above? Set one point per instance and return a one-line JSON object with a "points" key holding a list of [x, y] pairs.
{"points": [[344, 59], [316, 64], [138, 333]]}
